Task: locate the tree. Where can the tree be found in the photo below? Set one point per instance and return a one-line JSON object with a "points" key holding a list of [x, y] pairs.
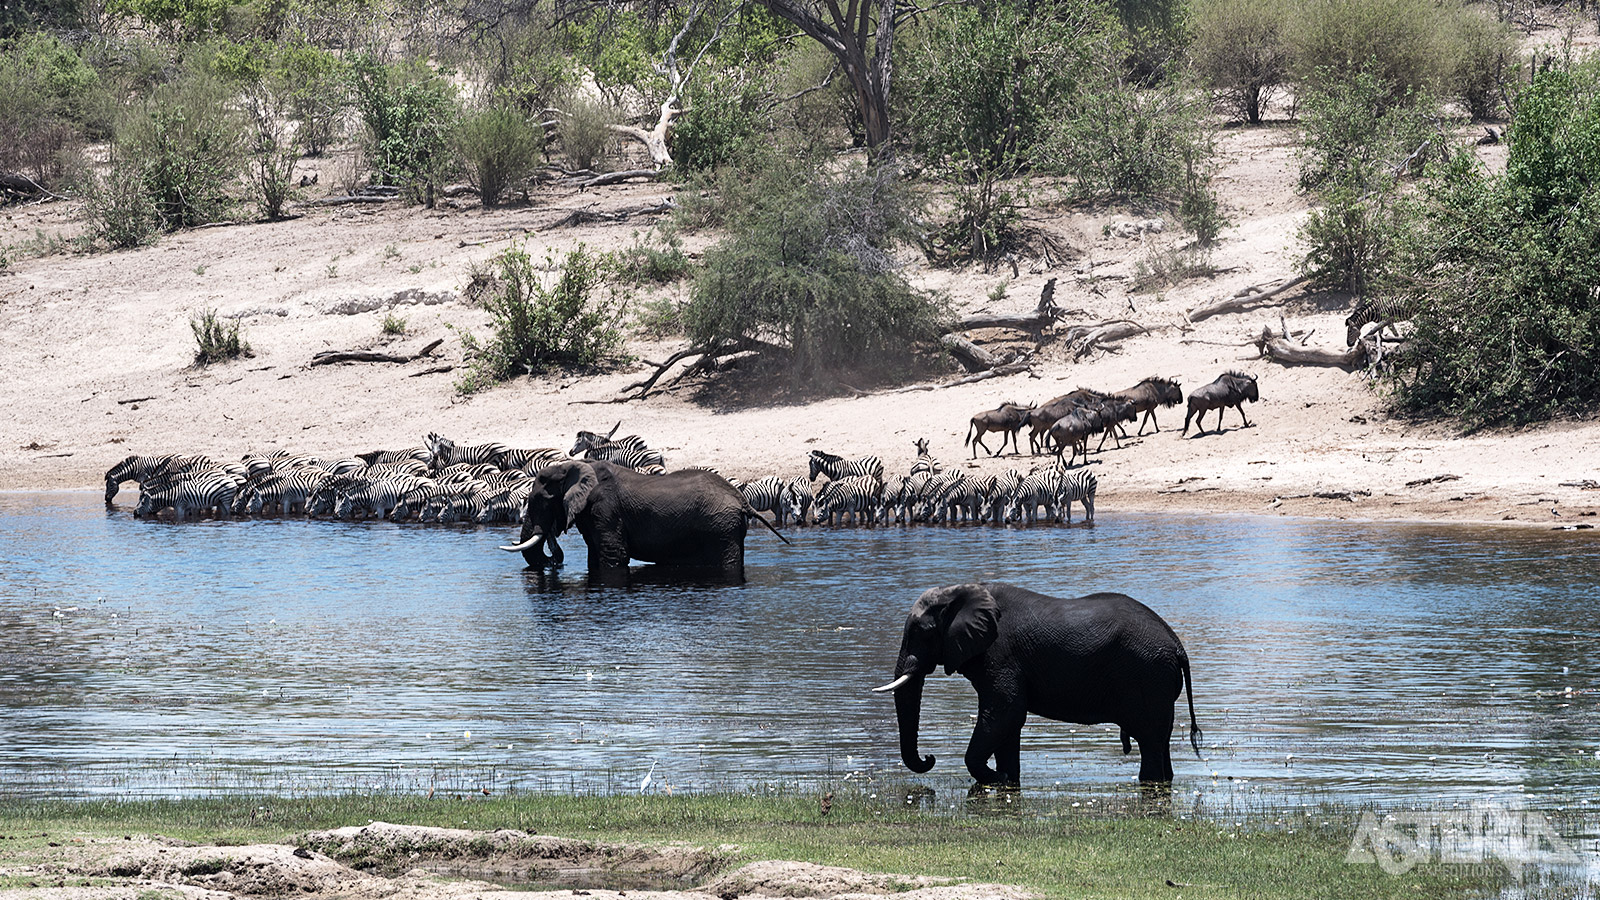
{"points": [[1241, 49], [861, 37], [808, 267]]}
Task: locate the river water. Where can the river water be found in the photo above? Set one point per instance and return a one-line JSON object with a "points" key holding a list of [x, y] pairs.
{"points": [[1389, 663]]}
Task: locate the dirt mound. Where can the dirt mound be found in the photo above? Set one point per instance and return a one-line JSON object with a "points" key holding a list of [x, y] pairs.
{"points": [[256, 869], [507, 853], [777, 878]]}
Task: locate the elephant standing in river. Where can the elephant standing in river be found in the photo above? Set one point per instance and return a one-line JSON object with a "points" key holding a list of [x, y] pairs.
{"points": [[687, 518], [1100, 658]]}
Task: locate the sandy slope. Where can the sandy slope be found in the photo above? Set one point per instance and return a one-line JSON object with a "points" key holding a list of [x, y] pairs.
{"points": [[97, 357]]}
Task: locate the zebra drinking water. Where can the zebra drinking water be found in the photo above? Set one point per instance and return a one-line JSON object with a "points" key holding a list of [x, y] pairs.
{"points": [[837, 467]]}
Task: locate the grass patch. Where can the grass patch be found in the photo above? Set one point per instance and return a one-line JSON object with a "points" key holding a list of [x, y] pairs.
{"points": [[1047, 848], [216, 340]]}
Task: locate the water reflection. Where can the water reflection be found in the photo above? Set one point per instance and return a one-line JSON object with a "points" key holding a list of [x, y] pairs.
{"points": [[1339, 660]]}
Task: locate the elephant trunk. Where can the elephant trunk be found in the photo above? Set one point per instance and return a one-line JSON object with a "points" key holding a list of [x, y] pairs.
{"points": [[908, 709]]}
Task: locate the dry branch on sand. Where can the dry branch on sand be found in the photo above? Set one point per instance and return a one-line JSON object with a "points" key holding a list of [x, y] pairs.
{"points": [[337, 356], [1280, 349], [1243, 299]]}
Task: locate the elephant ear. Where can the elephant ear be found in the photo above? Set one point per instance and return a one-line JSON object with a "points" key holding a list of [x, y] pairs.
{"points": [[974, 624], [576, 486]]}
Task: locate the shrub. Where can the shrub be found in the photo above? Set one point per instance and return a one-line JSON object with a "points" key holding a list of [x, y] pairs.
{"points": [[979, 93], [1405, 45], [1487, 63], [537, 328], [1127, 143], [217, 341], [585, 129], [408, 110], [394, 325], [47, 95], [319, 95], [808, 264], [646, 263], [120, 213], [723, 123], [497, 147], [1241, 51], [1356, 137]]}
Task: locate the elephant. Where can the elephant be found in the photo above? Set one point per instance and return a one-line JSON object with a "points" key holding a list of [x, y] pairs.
{"points": [[692, 518], [1100, 658]]}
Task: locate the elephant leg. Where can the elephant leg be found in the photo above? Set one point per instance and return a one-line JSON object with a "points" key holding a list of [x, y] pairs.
{"points": [[1154, 735], [1008, 757], [999, 727]]}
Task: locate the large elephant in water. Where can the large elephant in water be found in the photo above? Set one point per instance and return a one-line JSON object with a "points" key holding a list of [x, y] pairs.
{"points": [[1100, 658], [689, 518]]}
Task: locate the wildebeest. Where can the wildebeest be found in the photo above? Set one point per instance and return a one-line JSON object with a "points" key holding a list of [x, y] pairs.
{"points": [[1149, 394], [1008, 419], [1073, 429], [1113, 412], [1230, 389], [1043, 417]]}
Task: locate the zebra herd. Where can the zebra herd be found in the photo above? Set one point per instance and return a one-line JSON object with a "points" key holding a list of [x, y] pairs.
{"points": [[443, 482], [855, 491]]}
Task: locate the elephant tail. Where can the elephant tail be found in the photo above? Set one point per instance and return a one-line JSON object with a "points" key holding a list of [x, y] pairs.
{"points": [[1194, 727], [748, 511]]}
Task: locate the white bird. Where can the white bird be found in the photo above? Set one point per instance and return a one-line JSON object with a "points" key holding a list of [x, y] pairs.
{"points": [[645, 784]]}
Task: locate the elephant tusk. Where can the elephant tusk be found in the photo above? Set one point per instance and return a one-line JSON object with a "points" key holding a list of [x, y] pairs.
{"points": [[518, 548], [885, 688]]}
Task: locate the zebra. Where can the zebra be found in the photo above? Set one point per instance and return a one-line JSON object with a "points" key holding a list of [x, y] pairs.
{"points": [[804, 499], [212, 491], [925, 463], [359, 497], [289, 492], [1003, 494], [900, 497], [1036, 490], [962, 500], [140, 469], [858, 495], [1076, 487], [445, 452], [770, 494], [530, 461], [651, 462], [588, 440], [504, 507], [1385, 310], [390, 457], [837, 467]]}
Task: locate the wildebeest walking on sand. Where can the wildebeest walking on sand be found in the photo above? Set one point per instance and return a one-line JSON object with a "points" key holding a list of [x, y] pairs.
{"points": [[1230, 389], [1008, 419], [1149, 394]]}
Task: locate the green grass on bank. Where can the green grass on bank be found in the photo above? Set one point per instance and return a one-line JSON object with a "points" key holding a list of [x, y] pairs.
{"points": [[1061, 854]]}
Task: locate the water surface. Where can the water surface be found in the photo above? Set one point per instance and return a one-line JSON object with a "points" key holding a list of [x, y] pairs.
{"points": [[1420, 664]]}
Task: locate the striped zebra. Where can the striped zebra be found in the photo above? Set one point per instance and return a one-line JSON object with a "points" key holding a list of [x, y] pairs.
{"points": [[390, 457], [925, 464], [837, 467], [209, 492], [462, 472], [961, 500], [1076, 487], [1003, 494], [504, 507], [900, 497], [413, 500], [588, 440], [360, 498], [140, 469], [445, 452], [530, 461], [1384, 310], [457, 503], [648, 461], [855, 495], [282, 495], [770, 494], [1038, 489], [804, 500]]}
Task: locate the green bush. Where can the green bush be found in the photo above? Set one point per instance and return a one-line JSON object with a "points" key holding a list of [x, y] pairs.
{"points": [[217, 341], [121, 213], [537, 328], [1240, 50], [1358, 137], [408, 110], [647, 263], [979, 91], [1405, 45], [808, 265], [724, 122], [585, 129], [1123, 142], [186, 141], [1487, 64], [48, 98], [319, 94], [496, 147]]}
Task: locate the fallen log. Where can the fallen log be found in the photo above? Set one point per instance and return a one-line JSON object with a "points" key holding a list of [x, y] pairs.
{"points": [[970, 355], [614, 177], [1242, 299], [1034, 323], [586, 216], [1281, 350], [353, 198], [327, 357], [1089, 338]]}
